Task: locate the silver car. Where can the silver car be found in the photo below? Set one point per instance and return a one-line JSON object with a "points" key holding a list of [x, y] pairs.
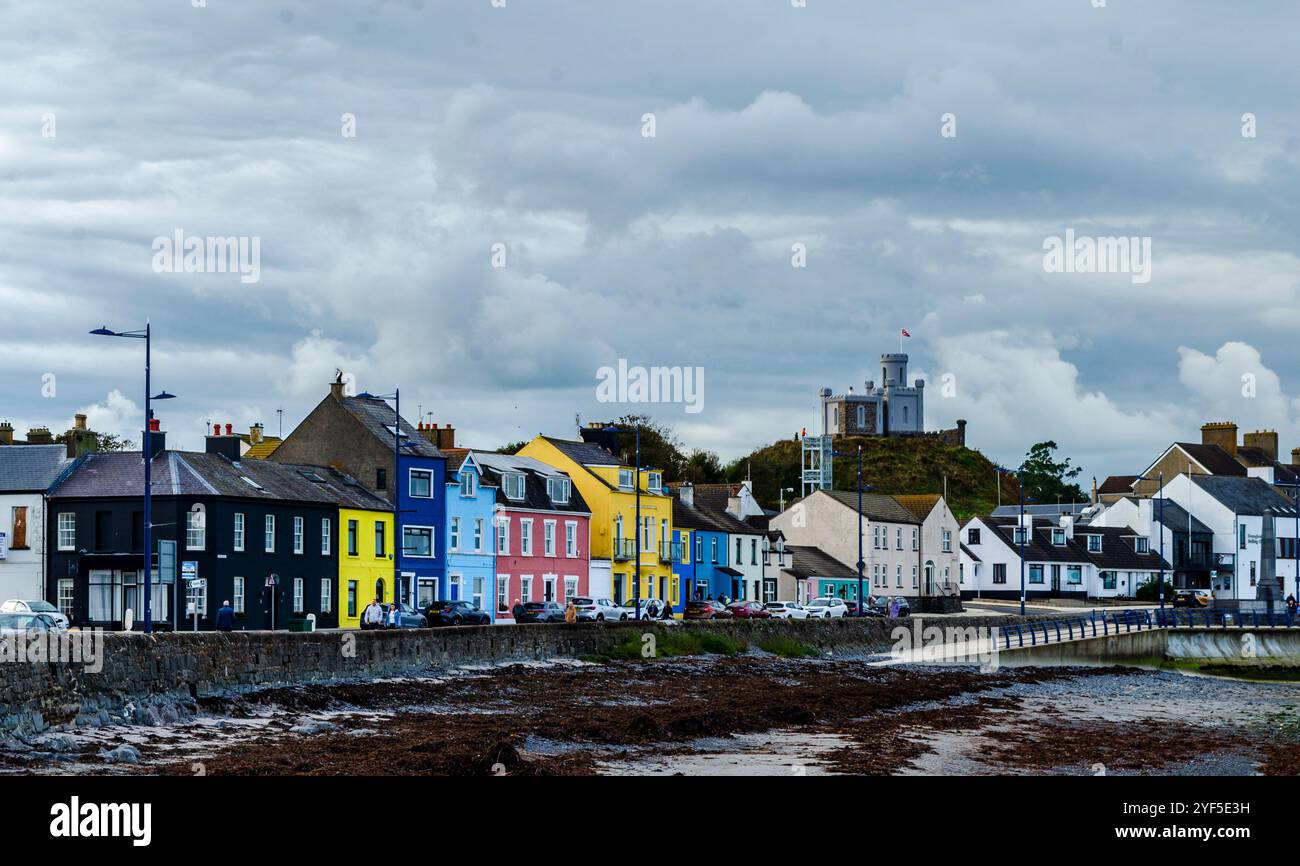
{"points": [[18, 605], [598, 610], [26, 623], [785, 610]]}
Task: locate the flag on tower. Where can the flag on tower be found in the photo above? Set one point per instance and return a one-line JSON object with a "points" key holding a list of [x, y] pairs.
{"points": [[905, 334]]}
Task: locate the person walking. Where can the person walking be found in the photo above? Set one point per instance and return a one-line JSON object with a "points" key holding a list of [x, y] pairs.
{"points": [[517, 611], [1291, 606], [225, 617], [395, 616], [373, 615], [570, 612]]}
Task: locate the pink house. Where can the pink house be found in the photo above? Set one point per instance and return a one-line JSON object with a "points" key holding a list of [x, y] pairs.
{"points": [[543, 538]]}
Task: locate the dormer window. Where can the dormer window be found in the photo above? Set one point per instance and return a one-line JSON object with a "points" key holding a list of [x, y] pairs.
{"points": [[1019, 536], [625, 479], [513, 484], [1058, 537], [1094, 544], [655, 482], [467, 484], [1140, 544], [560, 490]]}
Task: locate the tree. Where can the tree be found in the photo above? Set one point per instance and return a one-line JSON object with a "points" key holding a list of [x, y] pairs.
{"points": [[1047, 479], [703, 467]]}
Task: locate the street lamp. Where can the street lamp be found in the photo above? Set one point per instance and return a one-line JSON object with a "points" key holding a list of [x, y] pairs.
{"points": [[147, 454], [862, 565], [636, 484], [399, 541], [1160, 479], [1022, 531]]}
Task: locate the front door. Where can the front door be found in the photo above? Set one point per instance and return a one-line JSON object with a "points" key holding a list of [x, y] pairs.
{"points": [[1056, 579]]}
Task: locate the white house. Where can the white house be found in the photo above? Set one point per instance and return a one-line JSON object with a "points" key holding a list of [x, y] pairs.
{"points": [[26, 473]]}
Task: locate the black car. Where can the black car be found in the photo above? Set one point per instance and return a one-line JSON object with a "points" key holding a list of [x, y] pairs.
{"points": [[455, 613], [878, 605], [541, 611]]}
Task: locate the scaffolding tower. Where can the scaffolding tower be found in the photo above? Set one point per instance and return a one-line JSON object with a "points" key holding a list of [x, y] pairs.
{"points": [[818, 461]]}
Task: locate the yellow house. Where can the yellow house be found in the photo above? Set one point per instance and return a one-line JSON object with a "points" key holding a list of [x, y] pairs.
{"points": [[608, 488], [365, 561]]}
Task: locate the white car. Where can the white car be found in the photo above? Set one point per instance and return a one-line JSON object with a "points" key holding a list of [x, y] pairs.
{"points": [[598, 610], [651, 608], [785, 610], [17, 605], [826, 608]]}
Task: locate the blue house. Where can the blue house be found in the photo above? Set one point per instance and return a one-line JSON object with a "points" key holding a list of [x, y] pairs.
{"points": [[712, 574], [683, 561], [359, 435], [470, 534]]}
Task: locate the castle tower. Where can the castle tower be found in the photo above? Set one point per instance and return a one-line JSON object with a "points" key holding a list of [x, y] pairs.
{"points": [[893, 370]]}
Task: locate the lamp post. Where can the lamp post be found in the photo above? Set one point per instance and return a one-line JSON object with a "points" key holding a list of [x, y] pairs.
{"points": [[1160, 479], [146, 446], [399, 542], [636, 484], [862, 565], [1023, 531]]}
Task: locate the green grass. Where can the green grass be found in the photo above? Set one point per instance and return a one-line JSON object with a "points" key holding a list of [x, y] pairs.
{"points": [[634, 647], [789, 648]]}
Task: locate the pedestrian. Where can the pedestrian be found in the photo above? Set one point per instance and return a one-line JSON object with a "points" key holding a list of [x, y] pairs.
{"points": [[893, 608], [395, 616], [668, 611], [1291, 606], [710, 598], [517, 611], [373, 615], [225, 617], [570, 612]]}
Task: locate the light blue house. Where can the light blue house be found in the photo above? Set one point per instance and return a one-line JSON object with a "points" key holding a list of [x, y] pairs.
{"points": [[470, 536], [711, 573]]}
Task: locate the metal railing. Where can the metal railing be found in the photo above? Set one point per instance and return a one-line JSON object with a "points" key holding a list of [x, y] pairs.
{"points": [[1044, 631]]}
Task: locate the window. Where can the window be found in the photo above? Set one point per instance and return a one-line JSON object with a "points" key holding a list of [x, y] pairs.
{"points": [[1140, 545], [1094, 544], [862, 416], [352, 598], [503, 593], [1036, 573], [297, 595], [618, 528], [526, 587], [898, 538], [875, 574], [1241, 533], [298, 533], [1074, 574], [898, 575], [560, 490], [947, 541], [420, 484], [237, 598], [477, 593], [548, 538], [67, 599], [239, 532], [714, 543], [1108, 580], [352, 538], [467, 483], [914, 544], [1019, 536], [699, 548], [973, 535], [18, 540], [570, 539], [453, 538], [426, 591], [655, 482], [753, 551], [381, 478], [1058, 537], [503, 535], [417, 541], [326, 596], [625, 479], [381, 546], [526, 537], [999, 572], [647, 532], [478, 534], [326, 535], [270, 533], [513, 485], [196, 533], [570, 586]]}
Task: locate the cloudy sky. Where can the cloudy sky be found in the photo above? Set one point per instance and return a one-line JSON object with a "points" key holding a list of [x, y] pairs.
{"points": [[773, 125]]}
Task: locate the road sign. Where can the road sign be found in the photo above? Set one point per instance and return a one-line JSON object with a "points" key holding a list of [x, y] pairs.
{"points": [[167, 561], [272, 580], [189, 571]]}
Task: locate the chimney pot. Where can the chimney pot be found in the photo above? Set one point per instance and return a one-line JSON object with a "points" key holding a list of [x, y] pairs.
{"points": [[230, 429], [155, 425]]}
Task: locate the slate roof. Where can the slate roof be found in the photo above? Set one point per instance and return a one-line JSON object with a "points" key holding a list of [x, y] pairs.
{"points": [[1254, 456], [377, 417], [970, 553], [807, 561], [920, 504], [535, 473], [1248, 496], [1117, 551], [1176, 517], [1040, 510], [708, 519], [1120, 484], [31, 468], [875, 506], [716, 496], [1215, 460], [584, 453], [187, 473]]}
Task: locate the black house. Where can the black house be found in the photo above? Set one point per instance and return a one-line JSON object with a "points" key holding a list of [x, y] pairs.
{"points": [[261, 535]]}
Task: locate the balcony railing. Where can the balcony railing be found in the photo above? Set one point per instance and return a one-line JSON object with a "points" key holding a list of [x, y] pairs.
{"points": [[670, 551], [624, 549]]}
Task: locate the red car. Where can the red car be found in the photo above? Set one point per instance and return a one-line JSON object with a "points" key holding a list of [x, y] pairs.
{"points": [[706, 610], [749, 610]]}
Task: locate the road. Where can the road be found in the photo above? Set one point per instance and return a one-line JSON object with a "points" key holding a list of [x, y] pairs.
{"points": [[996, 606]]}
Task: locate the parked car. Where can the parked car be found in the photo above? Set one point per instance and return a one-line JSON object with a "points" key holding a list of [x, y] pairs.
{"points": [[458, 612], [851, 608], [598, 610], [18, 605], [407, 616], [748, 610], [542, 611], [651, 608], [23, 623], [1192, 598], [706, 610], [785, 610], [878, 605], [826, 607]]}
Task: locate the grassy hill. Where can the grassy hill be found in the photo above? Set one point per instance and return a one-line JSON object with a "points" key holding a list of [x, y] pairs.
{"points": [[897, 465]]}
